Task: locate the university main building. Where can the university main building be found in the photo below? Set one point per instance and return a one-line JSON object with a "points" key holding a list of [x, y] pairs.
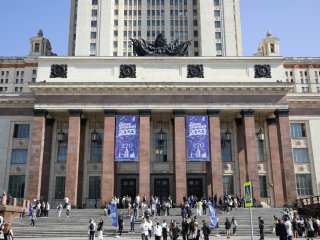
{"points": [[157, 116]]}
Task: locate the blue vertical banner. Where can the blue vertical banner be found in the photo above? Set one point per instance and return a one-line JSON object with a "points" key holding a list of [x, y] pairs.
{"points": [[113, 214], [197, 135], [127, 138], [212, 214]]}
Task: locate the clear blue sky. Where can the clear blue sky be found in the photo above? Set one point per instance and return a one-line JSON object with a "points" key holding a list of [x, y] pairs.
{"points": [[295, 22]]}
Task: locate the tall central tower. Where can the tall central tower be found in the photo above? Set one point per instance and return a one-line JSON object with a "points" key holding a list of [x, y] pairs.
{"points": [[104, 27]]}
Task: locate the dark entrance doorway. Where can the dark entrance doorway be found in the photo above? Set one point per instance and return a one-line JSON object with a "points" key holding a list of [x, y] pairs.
{"points": [[195, 187], [129, 187], [161, 188]]}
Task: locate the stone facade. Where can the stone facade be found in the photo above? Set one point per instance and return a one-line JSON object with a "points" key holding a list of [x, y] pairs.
{"points": [[162, 96]]}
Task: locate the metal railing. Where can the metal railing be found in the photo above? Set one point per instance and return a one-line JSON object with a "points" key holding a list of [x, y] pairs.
{"points": [[312, 202]]}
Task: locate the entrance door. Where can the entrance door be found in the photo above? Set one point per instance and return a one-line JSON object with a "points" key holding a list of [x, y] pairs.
{"points": [[195, 187], [161, 188], [128, 187]]}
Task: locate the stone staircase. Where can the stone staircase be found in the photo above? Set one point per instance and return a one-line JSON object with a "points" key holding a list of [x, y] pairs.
{"points": [[77, 224]]}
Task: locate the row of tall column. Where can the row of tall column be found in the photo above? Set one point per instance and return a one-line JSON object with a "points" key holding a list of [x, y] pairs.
{"points": [[279, 144]]}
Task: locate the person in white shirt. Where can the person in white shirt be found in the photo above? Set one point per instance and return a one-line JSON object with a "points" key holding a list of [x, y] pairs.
{"points": [[68, 209], [289, 228], [66, 201], [144, 229], [157, 231]]}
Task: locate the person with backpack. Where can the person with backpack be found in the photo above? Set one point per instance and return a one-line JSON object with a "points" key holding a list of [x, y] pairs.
{"points": [[175, 231], [59, 209], [227, 225], [91, 229], [205, 230], [234, 225]]}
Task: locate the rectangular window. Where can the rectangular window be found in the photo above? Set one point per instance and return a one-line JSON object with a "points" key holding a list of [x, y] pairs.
{"points": [[96, 149], [228, 185], [300, 155], [161, 145], [219, 47], [62, 149], [216, 3], [217, 24], [260, 150], [93, 23], [94, 13], [93, 35], [34, 72], [218, 35], [21, 131], [94, 187], [94, 2], [16, 186], [60, 187], [92, 46], [226, 149], [298, 130], [304, 184], [19, 156], [216, 13], [263, 186]]}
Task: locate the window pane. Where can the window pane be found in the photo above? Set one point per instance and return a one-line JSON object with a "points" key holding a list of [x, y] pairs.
{"points": [[161, 145], [300, 155], [16, 186], [21, 130], [304, 184], [263, 186], [96, 149], [298, 130], [226, 149], [62, 149], [228, 185], [19, 156], [60, 187], [94, 187], [260, 150]]}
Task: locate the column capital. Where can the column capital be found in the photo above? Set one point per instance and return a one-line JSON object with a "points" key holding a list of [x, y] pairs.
{"points": [[282, 112], [145, 113], [109, 112], [213, 113], [271, 121], [40, 113], [179, 113], [75, 113], [247, 113]]}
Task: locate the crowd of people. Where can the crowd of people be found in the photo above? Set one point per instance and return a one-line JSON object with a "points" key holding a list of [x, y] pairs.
{"points": [[290, 225]]}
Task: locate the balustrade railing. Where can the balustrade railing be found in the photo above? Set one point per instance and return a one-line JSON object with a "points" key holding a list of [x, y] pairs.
{"points": [[308, 202]]}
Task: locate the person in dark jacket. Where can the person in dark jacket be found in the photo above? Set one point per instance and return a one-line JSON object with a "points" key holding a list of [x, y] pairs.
{"points": [[120, 222], [185, 229], [261, 228], [281, 230], [206, 230]]}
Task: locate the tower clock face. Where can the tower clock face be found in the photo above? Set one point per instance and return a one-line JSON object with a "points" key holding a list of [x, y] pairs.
{"points": [[195, 71], [262, 71], [127, 71]]}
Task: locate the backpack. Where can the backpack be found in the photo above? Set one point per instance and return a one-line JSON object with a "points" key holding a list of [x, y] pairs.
{"points": [[91, 227]]}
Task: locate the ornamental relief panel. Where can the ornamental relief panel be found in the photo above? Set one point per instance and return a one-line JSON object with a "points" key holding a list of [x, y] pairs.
{"points": [[302, 168]]}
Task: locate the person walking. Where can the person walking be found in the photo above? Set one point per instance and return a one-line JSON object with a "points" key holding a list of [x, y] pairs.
{"points": [[281, 230], [100, 229], [144, 229], [288, 228], [164, 230], [205, 230], [184, 228], [227, 225], [234, 225], [261, 228], [132, 222], [157, 231], [59, 209], [120, 223], [33, 219], [68, 209], [91, 229]]}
